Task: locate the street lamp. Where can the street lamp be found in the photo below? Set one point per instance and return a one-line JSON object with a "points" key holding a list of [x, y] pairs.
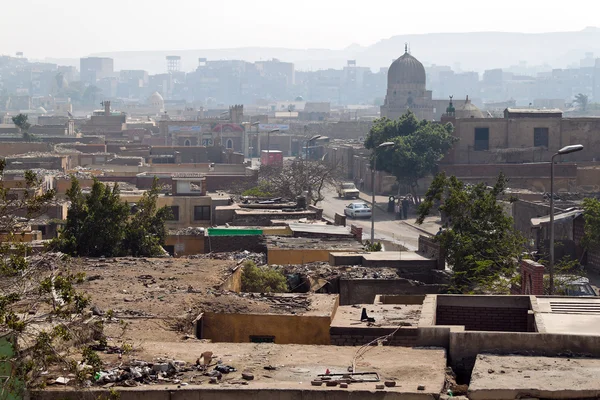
{"points": [[565, 150], [308, 141], [256, 124], [382, 145], [269, 139]]}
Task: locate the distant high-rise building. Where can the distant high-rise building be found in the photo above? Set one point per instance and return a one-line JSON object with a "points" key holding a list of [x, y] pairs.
{"points": [[93, 69], [173, 64]]}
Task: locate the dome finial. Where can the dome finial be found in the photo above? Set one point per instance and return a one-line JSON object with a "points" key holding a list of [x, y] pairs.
{"points": [[405, 47]]}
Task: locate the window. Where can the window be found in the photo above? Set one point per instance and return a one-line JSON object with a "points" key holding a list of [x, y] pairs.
{"points": [[187, 143], [229, 144], [201, 213], [262, 339], [540, 137], [174, 213], [482, 139]]}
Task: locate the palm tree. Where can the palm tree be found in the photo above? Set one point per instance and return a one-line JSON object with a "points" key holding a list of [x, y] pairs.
{"points": [[582, 100]]}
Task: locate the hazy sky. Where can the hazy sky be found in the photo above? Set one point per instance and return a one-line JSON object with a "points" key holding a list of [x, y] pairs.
{"points": [[74, 28]]}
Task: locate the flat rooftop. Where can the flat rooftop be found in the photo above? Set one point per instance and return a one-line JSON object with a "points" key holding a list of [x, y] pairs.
{"points": [[513, 377], [281, 242], [395, 256], [570, 315], [295, 367], [385, 315]]}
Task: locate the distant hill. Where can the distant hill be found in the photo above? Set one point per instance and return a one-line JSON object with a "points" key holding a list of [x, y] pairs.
{"points": [[474, 51]]}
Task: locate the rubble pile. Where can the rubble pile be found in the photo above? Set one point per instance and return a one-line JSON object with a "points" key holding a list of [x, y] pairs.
{"points": [[257, 258], [161, 371]]}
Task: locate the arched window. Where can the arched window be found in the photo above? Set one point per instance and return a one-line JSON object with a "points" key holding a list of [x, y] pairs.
{"points": [[229, 144], [187, 143]]}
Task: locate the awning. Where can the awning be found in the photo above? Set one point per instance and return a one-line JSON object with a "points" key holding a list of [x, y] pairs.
{"points": [[562, 217]]}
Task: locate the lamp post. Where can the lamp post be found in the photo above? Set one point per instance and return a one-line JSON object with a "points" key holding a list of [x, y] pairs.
{"points": [[257, 138], [308, 141], [382, 145], [269, 138], [565, 150]]}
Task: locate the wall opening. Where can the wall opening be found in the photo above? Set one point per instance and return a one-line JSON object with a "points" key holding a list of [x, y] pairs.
{"points": [[482, 139], [262, 339]]}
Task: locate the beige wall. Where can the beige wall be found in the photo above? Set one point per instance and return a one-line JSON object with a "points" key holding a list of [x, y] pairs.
{"points": [[287, 329]]}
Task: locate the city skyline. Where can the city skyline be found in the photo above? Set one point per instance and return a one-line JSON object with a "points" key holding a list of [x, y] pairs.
{"points": [[147, 26]]}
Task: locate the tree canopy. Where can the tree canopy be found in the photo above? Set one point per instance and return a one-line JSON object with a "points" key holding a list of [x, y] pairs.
{"points": [[100, 224], [591, 217], [482, 247], [20, 120], [41, 312], [295, 177], [418, 146]]}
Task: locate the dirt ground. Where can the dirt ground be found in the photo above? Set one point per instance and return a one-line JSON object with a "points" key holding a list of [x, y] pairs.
{"points": [[294, 366], [158, 298], [151, 294]]}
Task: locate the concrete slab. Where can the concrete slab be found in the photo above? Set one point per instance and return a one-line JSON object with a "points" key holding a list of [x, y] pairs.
{"points": [[571, 315], [398, 259], [296, 366], [386, 315], [514, 377]]}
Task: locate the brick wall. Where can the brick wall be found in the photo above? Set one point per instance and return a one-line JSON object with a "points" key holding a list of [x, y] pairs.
{"points": [[429, 248], [532, 278], [504, 319], [405, 337], [363, 291], [224, 244]]}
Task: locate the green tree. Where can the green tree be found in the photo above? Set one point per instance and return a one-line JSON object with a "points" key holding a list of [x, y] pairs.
{"points": [[100, 224], [146, 232], [582, 100], [482, 246], [96, 222], [418, 147], [262, 280], [20, 120], [591, 216], [32, 286]]}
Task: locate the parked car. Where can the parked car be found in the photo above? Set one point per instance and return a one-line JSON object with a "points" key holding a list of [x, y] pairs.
{"points": [[348, 190], [357, 210]]}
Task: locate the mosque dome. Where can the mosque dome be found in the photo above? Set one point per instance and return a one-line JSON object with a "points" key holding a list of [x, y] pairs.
{"points": [[469, 110], [406, 70], [156, 100]]}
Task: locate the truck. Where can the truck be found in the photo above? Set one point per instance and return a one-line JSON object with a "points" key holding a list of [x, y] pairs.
{"points": [[348, 190], [271, 157]]}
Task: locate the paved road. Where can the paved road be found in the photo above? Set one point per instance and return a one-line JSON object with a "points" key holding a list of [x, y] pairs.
{"points": [[386, 227]]}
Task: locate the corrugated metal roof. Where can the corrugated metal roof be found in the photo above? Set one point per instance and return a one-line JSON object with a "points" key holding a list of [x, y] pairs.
{"points": [[557, 217], [318, 228]]}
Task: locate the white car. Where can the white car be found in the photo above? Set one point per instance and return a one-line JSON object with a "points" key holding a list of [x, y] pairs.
{"points": [[357, 210]]}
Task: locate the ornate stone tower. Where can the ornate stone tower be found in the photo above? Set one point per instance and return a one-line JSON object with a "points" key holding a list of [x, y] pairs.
{"points": [[406, 89]]}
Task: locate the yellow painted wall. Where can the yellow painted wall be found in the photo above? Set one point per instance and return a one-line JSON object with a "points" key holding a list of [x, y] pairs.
{"points": [[191, 244], [277, 231], [299, 256], [287, 329], [234, 282]]}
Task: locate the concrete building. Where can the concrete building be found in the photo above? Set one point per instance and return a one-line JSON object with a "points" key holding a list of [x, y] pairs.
{"points": [[93, 69], [521, 136]]}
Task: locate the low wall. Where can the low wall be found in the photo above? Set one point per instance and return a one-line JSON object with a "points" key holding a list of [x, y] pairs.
{"points": [[298, 256], [233, 283], [430, 248], [225, 244], [364, 291], [406, 337], [287, 329], [465, 346], [485, 313], [220, 393]]}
